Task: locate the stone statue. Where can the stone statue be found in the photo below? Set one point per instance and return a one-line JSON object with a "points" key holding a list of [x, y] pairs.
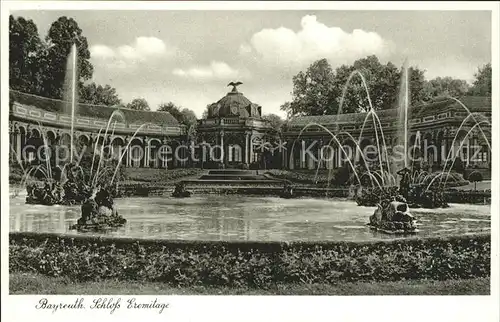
{"points": [[287, 191], [393, 217], [180, 191], [99, 212], [404, 184]]}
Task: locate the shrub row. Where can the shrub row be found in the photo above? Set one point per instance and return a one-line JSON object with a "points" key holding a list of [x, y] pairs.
{"points": [[249, 264], [158, 175], [303, 177], [469, 196]]}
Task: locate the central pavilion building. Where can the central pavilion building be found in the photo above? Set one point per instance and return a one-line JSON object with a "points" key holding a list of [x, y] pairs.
{"points": [[235, 124]]}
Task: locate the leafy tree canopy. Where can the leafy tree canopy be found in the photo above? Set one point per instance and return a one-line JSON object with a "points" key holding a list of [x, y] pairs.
{"points": [[99, 95], [482, 84], [320, 90], [184, 116], [139, 104]]}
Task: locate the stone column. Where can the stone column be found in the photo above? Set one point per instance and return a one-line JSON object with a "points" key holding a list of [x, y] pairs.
{"points": [[222, 147], [468, 152], [128, 154], [250, 152], [247, 137], [146, 152]]}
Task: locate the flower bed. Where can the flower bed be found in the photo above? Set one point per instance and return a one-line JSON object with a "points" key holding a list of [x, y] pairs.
{"points": [[250, 264]]}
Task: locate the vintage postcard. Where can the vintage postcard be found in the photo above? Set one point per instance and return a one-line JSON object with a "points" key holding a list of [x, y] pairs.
{"points": [[167, 160]]}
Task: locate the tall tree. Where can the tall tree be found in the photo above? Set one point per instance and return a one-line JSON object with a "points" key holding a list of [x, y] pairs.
{"points": [[25, 48], [61, 36], [445, 86], [139, 104], [367, 77], [184, 116], [320, 90], [99, 95], [287, 107], [189, 117], [314, 90], [482, 84], [275, 121]]}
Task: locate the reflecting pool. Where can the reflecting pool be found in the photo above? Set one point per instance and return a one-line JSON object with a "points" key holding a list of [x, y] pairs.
{"points": [[214, 217]]}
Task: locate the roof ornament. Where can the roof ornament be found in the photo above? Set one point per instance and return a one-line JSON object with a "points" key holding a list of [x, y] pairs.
{"points": [[234, 86]]}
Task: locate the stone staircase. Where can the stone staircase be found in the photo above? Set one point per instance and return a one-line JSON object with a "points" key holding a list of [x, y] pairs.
{"points": [[234, 179]]}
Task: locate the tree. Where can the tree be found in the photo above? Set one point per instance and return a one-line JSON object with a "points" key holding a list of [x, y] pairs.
{"points": [[475, 177], [189, 117], [314, 91], [445, 86], [25, 47], [382, 83], [204, 115], [287, 107], [275, 121], [62, 34], [320, 90], [184, 116], [482, 84], [138, 104], [99, 95]]}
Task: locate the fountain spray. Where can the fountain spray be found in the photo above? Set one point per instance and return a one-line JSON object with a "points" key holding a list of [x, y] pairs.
{"points": [[73, 99], [405, 110]]}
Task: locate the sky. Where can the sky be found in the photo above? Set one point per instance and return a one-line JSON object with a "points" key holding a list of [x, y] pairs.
{"points": [[189, 57]]}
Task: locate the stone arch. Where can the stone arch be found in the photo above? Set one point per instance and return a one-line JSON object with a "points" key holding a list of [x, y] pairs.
{"points": [[50, 135], [84, 140], [154, 146], [65, 139], [136, 152], [118, 145]]}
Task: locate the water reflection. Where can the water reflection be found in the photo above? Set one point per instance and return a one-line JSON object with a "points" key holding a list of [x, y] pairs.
{"points": [[247, 218]]}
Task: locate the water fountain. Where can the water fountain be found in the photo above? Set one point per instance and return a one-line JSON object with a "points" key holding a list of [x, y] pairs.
{"points": [[186, 218]]}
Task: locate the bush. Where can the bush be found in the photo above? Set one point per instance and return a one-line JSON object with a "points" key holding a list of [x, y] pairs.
{"points": [[251, 264], [303, 177], [164, 176], [475, 177], [469, 196]]}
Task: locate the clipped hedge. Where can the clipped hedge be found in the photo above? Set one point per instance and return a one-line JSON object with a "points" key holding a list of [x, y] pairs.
{"points": [[469, 196], [153, 175], [249, 264]]}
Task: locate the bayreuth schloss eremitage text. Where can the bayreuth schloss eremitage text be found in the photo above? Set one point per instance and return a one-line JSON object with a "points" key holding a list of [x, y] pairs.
{"points": [[110, 304]]}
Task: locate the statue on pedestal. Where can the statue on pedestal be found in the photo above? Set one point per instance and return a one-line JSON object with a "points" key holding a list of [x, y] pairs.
{"points": [[180, 191], [404, 184], [99, 212]]}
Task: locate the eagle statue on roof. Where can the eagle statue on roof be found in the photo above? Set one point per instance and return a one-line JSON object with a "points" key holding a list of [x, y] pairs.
{"points": [[234, 84]]}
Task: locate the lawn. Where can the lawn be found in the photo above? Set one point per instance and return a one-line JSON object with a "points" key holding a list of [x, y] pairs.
{"points": [[39, 284]]}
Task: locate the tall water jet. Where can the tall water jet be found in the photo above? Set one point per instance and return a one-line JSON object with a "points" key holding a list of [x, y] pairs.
{"points": [[403, 104], [70, 92]]}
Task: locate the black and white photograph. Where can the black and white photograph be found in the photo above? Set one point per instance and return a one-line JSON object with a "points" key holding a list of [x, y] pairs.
{"points": [[216, 151]]}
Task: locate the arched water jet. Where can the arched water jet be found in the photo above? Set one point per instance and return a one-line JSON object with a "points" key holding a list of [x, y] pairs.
{"points": [[333, 136], [358, 149], [456, 136], [471, 114], [453, 162], [372, 177], [126, 148], [46, 147], [371, 110], [115, 113], [94, 154], [461, 145]]}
